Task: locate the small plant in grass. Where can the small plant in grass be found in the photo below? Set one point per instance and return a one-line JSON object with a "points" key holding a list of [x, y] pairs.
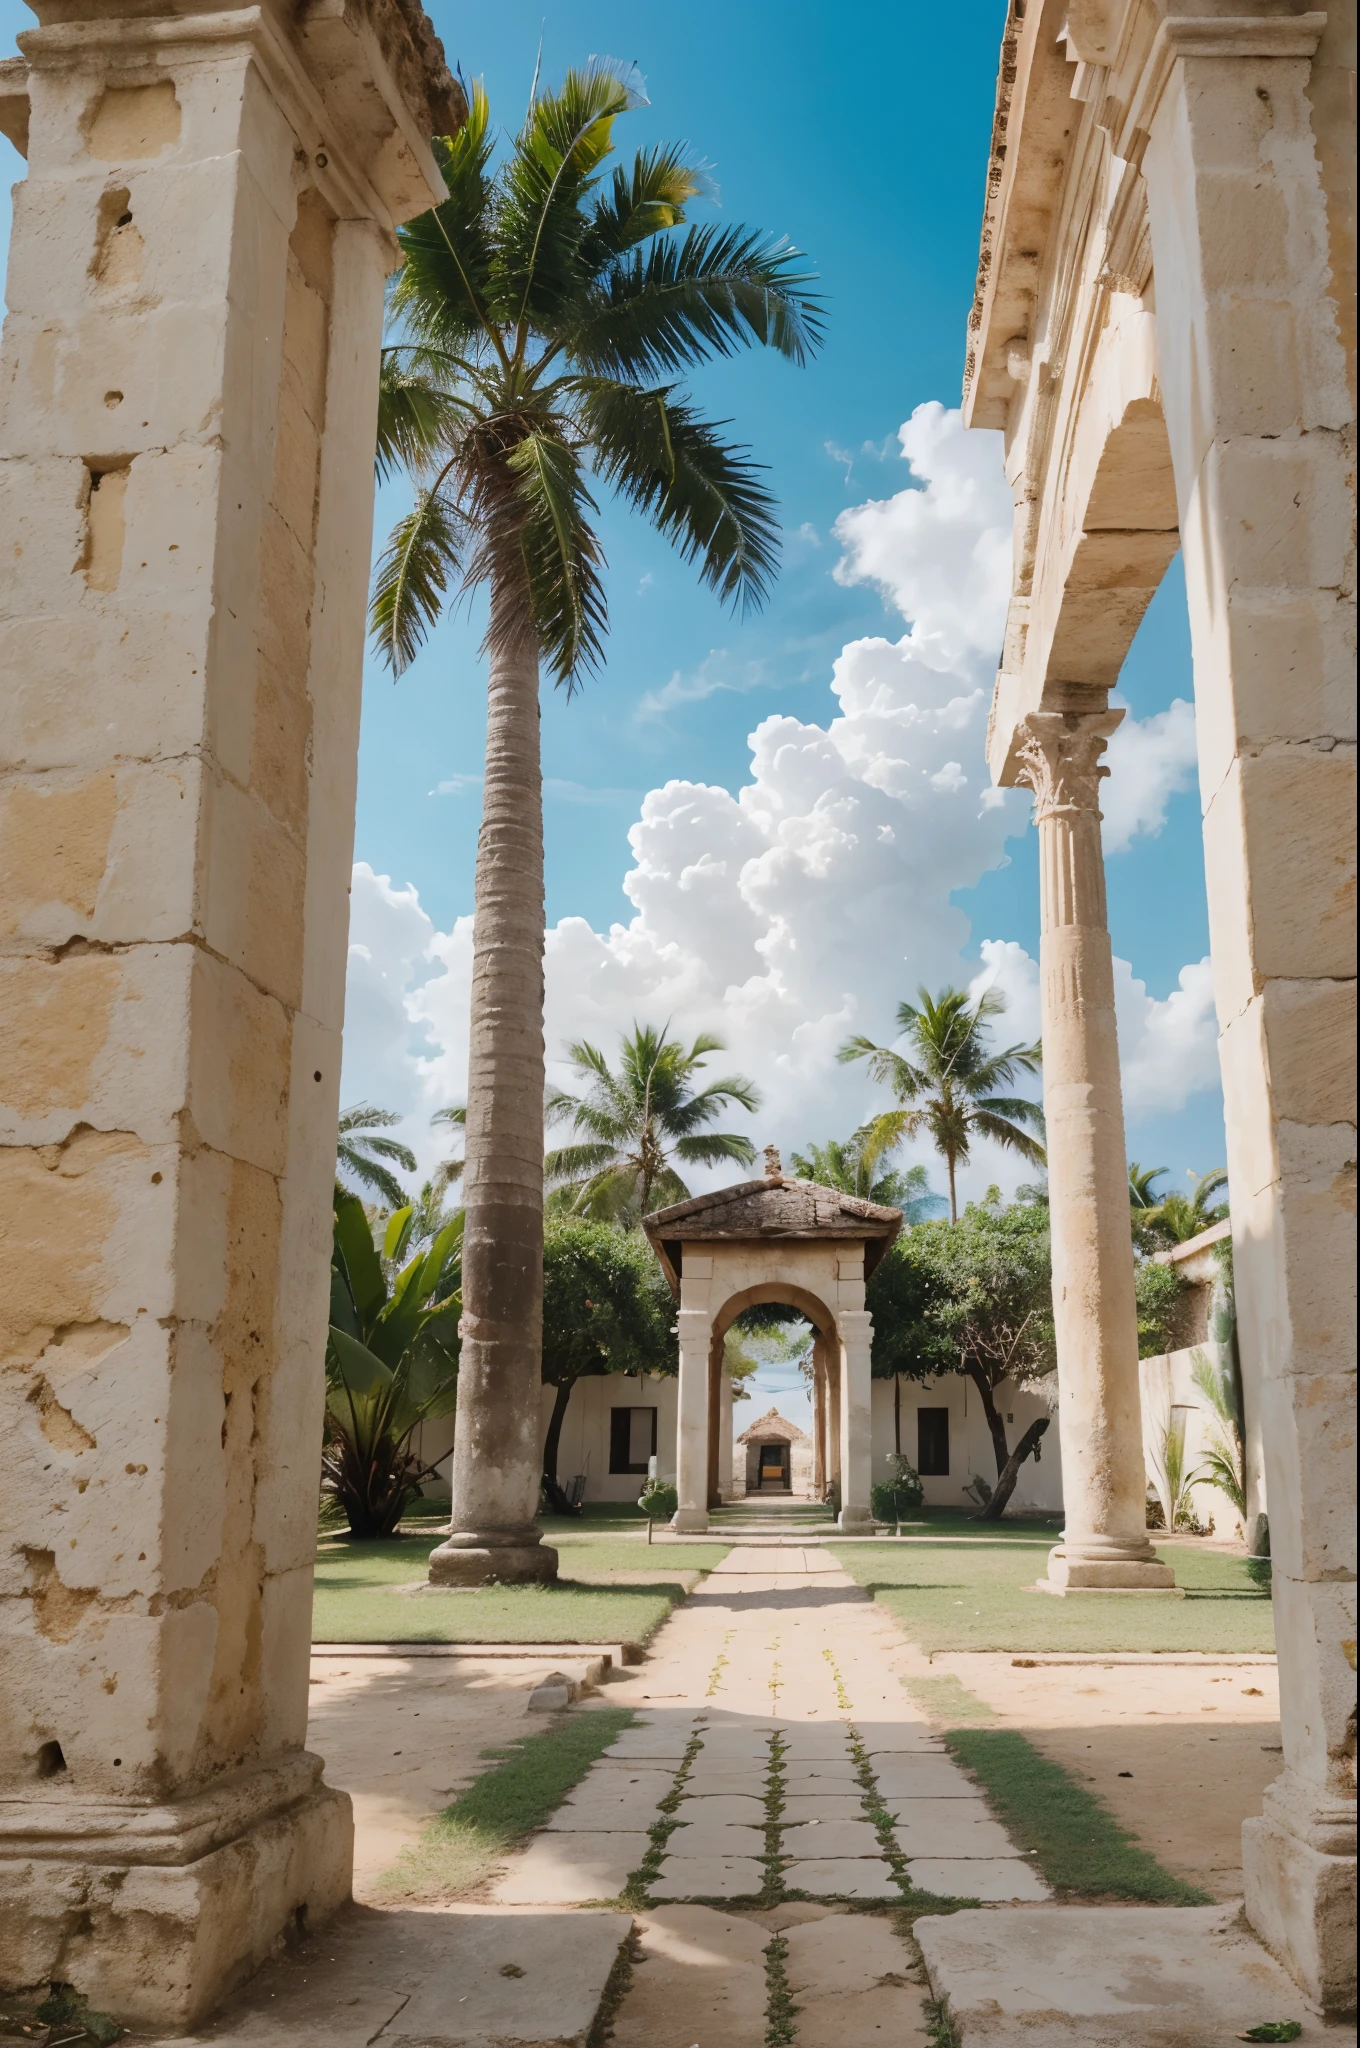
{"points": [[1174, 1478], [900, 1498], [658, 1502], [940, 2029]]}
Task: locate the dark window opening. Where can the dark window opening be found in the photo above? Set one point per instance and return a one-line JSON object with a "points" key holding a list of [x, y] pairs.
{"points": [[632, 1438], [932, 1443]]}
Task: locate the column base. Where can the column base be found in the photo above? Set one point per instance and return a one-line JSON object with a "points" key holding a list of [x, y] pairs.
{"points": [[689, 1522], [155, 1913], [1300, 1869], [855, 1522], [1083, 1568], [493, 1557]]}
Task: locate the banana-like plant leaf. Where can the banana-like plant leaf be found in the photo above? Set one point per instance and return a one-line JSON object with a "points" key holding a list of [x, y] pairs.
{"points": [[363, 1270], [360, 1371], [342, 1304], [398, 1233]]}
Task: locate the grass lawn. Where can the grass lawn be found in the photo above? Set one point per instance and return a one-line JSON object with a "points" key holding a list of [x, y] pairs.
{"points": [[459, 1849], [957, 1584], [1077, 1843], [357, 1599]]}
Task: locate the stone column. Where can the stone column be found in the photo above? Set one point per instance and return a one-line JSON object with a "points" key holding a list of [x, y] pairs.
{"points": [[818, 1416], [1249, 173], [855, 1327], [691, 1462], [189, 390], [832, 1429], [1104, 1543], [725, 1490]]}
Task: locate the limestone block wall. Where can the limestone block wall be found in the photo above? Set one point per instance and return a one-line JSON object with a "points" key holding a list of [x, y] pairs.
{"points": [[187, 392]]}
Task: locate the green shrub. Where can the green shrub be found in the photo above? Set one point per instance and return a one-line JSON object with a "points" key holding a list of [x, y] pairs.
{"points": [[658, 1501]]}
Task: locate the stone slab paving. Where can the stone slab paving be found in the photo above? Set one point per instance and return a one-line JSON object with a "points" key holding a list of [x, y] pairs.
{"points": [[565, 1869], [454, 1977], [698, 1976], [853, 1980], [1109, 1977]]}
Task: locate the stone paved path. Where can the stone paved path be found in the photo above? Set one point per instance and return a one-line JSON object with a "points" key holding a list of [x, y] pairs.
{"points": [[780, 1778], [783, 1757]]}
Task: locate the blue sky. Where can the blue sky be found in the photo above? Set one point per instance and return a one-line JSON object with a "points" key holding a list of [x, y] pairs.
{"points": [[861, 132]]}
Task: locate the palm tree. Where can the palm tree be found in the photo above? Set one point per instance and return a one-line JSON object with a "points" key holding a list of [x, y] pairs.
{"points": [[453, 1118], [360, 1154], [1143, 1197], [1177, 1218], [852, 1165], [633, 1122], [953, 1079], [541, 322]]}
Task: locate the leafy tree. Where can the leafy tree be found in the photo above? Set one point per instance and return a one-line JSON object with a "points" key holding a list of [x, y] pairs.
{"points": [[606, 1308], [635, 1121], [391, 1362], [949, 1082], [361, 1154], [541, 321], [853, 1165], [1157, 1292], [991, 1276]]}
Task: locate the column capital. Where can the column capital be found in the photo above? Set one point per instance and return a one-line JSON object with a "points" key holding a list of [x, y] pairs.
{"points": [[1059, 754]]}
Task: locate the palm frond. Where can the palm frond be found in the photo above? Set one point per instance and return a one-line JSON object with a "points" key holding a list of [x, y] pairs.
{"points": [[562, 556], [571, 1162], [1008, 1135], [416, 415], [639, 206], [703, 493], [885, 1065], [420, 560], [540, 216], [710, 1148], [682, 302], [443, 290]]}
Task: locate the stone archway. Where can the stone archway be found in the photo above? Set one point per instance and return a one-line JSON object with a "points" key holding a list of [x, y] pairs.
{"points": [[1164, 331], [779, 1240]]}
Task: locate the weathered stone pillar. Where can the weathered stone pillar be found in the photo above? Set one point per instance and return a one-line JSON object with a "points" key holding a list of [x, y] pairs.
{"points": [[725, 1490], [1249, 172], [1104, 1543], [819, 1399], [189, 390], [855, 1327], [691, 1462]]}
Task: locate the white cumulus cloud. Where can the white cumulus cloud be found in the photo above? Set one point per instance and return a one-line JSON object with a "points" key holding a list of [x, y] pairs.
{"points": [[807, 904]]}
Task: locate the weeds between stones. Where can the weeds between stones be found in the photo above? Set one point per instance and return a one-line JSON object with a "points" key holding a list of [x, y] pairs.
{"points": [[616, 1988], [531, 1779], [940, 2029], [774, 1891], [719, 1664], [780, 2011], [634, 1894]]}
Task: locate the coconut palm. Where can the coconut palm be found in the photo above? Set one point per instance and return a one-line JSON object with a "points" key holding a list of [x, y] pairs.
{"points": [[1142, 1194], [453, 1118], [951, 1080], [853, 1165], [541, 320], [634, 1121], [1177, 1217], [360, 1153]]}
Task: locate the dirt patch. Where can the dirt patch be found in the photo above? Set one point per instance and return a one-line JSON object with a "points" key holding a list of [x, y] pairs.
{"points": [[1181, 1754], [401, 1735]]}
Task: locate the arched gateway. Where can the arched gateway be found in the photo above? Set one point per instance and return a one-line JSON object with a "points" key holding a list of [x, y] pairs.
{"points": [[789, 1241]]}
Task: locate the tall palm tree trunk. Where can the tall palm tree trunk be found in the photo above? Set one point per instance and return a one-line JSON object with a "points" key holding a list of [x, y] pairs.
{"points": [[497, 1464]]}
